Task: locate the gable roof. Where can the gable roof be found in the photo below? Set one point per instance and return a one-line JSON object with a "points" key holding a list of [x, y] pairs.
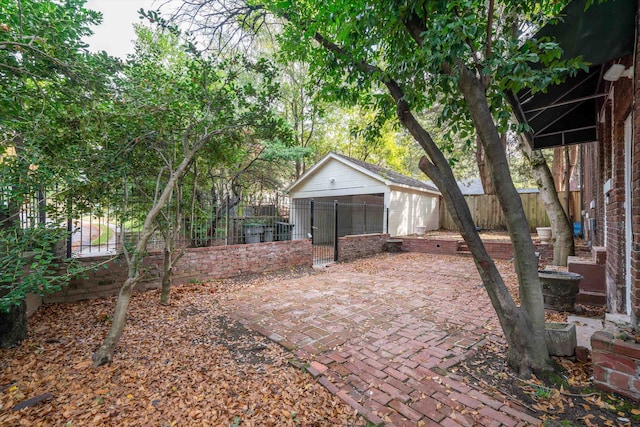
{"points": [[387, 176]]}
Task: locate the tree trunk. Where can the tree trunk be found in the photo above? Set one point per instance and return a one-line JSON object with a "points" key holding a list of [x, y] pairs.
{"points": [[483, 168], [166, 277], [567, 182], [105, 353], [523, 326], [563, 244], [13, 326], [526, 264], [526, 338]]}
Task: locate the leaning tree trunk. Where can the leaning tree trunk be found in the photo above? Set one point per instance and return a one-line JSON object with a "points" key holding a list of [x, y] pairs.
{"points": [[525, 337], [526, 264], [563, 244], [523, 326], [105, 353]]}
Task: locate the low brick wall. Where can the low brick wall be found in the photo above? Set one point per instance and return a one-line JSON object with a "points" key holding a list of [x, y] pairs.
{"points": [[496, 249], [197, 264], [429, 246], [616, 365], [354, 247], [499, 250]]}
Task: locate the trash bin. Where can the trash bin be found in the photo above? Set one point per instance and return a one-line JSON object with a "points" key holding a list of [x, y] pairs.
{"points": [[283, 230], [577, 229], [252, 233], [268, 234]]}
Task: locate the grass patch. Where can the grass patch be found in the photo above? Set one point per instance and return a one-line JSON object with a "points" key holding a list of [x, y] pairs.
{"points": [[132, 225], [105, 234]]}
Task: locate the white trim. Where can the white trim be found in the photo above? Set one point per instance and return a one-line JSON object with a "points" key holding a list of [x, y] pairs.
{"points": [[628, 235], [395, 185]]}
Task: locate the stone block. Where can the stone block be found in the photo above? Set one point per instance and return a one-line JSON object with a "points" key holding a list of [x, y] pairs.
{"points": [[561, 338]]}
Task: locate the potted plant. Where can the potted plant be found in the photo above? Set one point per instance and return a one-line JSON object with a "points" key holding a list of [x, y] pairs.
{"points": [[544, 234]]}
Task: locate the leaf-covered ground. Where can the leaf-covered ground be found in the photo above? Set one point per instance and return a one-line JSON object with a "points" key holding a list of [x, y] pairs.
{"points": [[189, 363], [182, 364], [566, 400]]}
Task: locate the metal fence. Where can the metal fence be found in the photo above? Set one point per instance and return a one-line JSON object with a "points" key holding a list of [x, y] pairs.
{"points": [[104, 229], [325, 221]]}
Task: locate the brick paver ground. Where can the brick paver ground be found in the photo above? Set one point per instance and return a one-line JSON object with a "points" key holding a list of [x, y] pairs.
{"points": [[381, 333]]}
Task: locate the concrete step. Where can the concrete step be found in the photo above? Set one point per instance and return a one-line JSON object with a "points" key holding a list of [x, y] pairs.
{"points": [[594, 274], [598, 299]]}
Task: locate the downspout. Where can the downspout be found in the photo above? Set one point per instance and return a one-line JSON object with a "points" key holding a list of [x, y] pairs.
{"points": [[582, 209]]}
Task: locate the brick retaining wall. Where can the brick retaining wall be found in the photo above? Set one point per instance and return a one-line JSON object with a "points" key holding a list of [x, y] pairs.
{"points": [[497, 250], [197, 264], [429, 246], [616, 364], [354, 247]]}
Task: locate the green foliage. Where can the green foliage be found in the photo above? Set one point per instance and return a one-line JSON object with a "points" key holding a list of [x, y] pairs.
{"points": [[423, 46], [50, 88], [29, 263]]}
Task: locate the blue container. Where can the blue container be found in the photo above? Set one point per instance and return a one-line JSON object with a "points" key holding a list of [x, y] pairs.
{"points": [[577, 229]]}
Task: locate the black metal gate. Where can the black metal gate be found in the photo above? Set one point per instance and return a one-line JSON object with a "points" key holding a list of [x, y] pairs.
{"points": [[324, 230], [330, 220]]}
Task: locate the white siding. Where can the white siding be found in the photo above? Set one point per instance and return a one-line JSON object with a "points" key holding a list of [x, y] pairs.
{"points": [[346, 181], [411, 209]]}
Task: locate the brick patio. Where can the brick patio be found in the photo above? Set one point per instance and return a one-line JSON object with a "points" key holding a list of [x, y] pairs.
{"points": [[381, 332]]}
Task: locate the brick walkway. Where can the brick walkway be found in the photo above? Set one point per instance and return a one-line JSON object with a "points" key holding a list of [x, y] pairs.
{"points": [[381, 332]]}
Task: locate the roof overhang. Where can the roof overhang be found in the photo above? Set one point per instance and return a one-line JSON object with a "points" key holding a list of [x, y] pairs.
{"points": [[396, 186], [567, 113]]}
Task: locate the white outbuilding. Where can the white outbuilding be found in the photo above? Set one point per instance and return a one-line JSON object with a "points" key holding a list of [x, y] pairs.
{"points": [[410, 206]]}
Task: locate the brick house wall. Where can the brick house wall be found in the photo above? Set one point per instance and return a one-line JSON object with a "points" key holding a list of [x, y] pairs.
{"points": [[635, 197], [616, 261], [197, 264], [635, 208], [605, 165]]}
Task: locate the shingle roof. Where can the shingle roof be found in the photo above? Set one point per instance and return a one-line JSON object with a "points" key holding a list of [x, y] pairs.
{"points": [[390, 175]]}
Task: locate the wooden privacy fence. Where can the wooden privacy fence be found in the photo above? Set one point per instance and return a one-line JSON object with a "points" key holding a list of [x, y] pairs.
{"points": [[487, 214]]}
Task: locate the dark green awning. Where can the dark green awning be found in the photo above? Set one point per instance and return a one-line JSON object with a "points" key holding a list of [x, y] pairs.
{"points": [[566, 113]]}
